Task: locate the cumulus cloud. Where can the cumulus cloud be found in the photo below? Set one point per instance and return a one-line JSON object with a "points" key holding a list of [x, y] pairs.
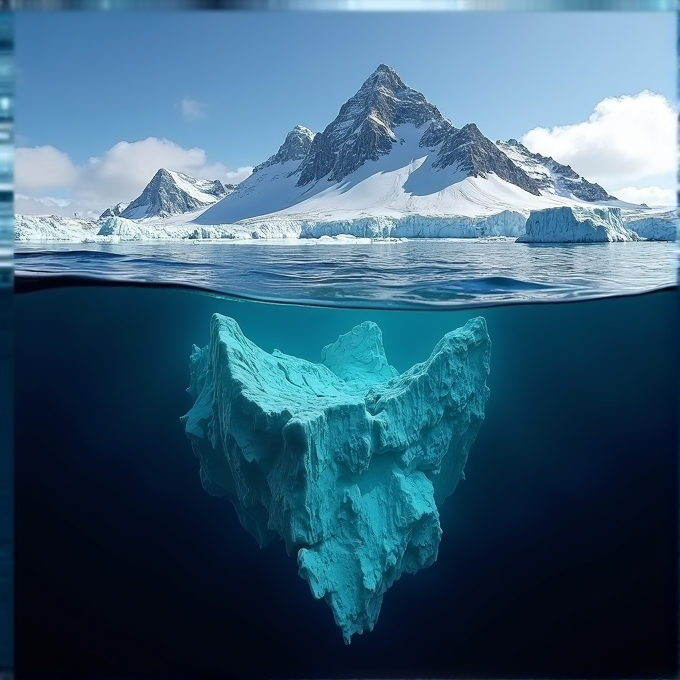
{"points": [[192, 109], [653, 196], [42, 167], [120, 174], [626, 139]]}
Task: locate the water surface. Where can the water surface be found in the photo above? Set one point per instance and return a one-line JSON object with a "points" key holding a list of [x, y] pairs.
{"points": [[425, 273]]}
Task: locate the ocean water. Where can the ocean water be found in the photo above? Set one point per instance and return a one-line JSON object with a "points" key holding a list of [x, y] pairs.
{"points": [[559, 552], [418, 273]]}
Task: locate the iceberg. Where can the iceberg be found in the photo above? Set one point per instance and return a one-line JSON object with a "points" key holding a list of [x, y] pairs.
{"points": [[659, 227], [121, 226], [346, 460], [569, 224]]}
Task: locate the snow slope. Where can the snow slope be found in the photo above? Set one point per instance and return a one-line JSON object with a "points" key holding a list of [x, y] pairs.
{"points": [[399, 184]]}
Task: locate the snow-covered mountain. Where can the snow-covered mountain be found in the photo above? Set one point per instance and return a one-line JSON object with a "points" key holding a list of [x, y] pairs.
{"points": [[172, 193], [391, 154], [114, 211], [551, 176], [295, 148], [389, 165]]}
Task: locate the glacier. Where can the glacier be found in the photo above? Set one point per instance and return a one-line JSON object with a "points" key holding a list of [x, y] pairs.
{"points": [[36, 228], [571, 224], [346, 460]]}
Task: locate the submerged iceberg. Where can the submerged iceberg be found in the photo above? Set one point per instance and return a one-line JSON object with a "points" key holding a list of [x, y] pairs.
{"points": [[568, 224], [346, 460]]}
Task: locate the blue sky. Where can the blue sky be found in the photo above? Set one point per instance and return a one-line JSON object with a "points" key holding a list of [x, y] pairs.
{"points": [[234, 83]]}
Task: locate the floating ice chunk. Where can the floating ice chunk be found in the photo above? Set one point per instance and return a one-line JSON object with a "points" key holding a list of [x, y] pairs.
{"points": [[120, 226], [659, 227], [576, 225], [346, 460]]}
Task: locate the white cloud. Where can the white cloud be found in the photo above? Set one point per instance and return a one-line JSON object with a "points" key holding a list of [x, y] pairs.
{"points": [[45, 205], [653, 196], [42, 167], [120, 174], [192, 109], [626, 139]]}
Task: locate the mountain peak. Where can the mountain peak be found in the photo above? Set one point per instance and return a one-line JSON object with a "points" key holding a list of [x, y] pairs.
{"points": [[171, 193], [384, 77], [294, 148], [301, 129], [364, 127], [385, 71]]}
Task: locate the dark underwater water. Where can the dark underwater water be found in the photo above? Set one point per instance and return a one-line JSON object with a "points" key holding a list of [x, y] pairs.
{"points": [[559, 555]]}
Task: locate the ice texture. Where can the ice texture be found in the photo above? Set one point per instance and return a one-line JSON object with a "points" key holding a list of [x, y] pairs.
{"points": [[38, 228], [115, 225], [346, 460], [568, 224], [660, 227]]}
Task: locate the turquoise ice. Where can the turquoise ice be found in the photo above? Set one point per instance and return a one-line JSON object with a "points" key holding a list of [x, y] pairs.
{"points": [[346, 460]]}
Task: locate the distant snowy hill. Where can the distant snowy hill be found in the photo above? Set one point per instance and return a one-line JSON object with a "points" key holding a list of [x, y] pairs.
{"points": [[114, 211], [172, 193]]}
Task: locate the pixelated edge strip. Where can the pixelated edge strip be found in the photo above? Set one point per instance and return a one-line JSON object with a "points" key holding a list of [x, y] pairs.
{"points": [[346, 5], [6, 342]]}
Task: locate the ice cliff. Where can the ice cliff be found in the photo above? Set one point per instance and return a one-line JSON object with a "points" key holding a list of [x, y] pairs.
{"points": [[346, 460], [53, 228], [568, 224], [660, 227], [120, 226]]}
